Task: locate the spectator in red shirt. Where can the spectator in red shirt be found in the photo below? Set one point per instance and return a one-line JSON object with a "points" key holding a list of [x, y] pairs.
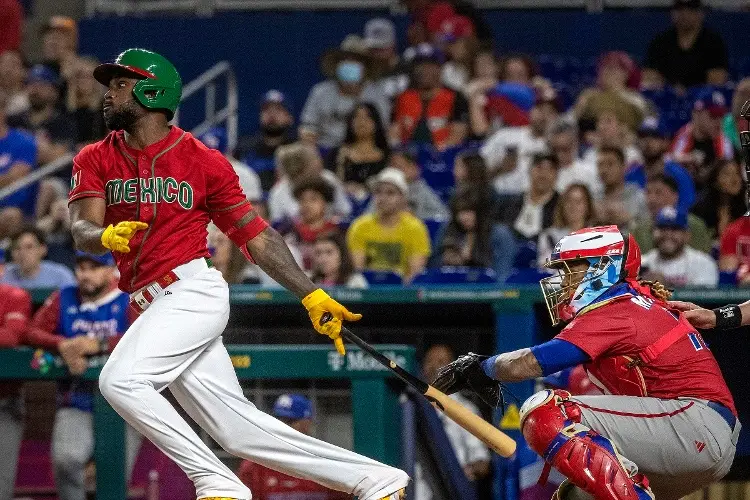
{"points": [[701, 141], [428, 112], [11, 19], [314, 196], [296, 411], [15, 311], [734, 250]]}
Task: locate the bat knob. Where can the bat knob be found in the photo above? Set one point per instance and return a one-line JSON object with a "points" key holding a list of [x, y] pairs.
{"points": [[326, 318]]}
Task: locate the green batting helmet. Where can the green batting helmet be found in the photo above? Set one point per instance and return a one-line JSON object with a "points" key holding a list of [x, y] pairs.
{"points": [[160, 86]]}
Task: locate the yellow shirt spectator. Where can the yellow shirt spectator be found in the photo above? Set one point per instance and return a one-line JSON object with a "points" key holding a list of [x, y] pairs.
{"points": [[389, 248]]}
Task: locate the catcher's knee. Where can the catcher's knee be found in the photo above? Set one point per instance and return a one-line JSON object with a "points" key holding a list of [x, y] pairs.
{"points": [[551, 424], [545, 415]]}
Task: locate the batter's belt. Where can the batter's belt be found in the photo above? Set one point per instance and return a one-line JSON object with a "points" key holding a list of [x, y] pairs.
{"points": [[142, 298]]}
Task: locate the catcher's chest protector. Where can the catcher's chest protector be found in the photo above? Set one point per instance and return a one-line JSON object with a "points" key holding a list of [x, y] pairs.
{"points": [[622, 375]]}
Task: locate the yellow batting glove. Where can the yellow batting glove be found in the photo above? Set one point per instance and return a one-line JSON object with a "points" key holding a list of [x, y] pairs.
{"points": [[319, 303], [117, 237]]}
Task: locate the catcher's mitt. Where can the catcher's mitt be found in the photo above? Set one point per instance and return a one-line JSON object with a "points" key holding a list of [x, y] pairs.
{"points": [[466, 373]]}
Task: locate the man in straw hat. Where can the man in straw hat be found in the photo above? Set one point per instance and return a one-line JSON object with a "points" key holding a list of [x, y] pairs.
{"points": [[348, 71]]}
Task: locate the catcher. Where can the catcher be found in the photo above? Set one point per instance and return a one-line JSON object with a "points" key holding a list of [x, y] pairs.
{"points": [[666, 425]]}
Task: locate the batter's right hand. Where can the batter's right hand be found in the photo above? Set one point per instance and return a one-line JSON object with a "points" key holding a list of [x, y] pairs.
{"points": [[117, 237]]}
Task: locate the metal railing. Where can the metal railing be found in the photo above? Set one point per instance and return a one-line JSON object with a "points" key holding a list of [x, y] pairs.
{"points": [[36, 175], [213, 117], [208, 80]]}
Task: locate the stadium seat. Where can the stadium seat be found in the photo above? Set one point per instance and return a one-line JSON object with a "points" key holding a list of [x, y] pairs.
{"points": [[526, 276], [382, 277], [435, 228], [727, 278], [455, 275], [526, 255], [437, 168]]}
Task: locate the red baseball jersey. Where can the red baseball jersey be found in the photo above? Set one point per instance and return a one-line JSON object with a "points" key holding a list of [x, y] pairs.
{"points": [[267, 484], [736, 240], [629, 324], [15, 312], [177, 186]]}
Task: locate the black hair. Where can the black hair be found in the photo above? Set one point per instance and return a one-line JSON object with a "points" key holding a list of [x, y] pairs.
{"points": [[346, 266], [542, 157], [314, 183], [381, 140], [667, 180], [34, 231]]}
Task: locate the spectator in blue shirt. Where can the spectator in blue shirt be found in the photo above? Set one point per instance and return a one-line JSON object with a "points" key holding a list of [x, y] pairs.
{"points": [[654, 142], [17, 158], [28, 270]]}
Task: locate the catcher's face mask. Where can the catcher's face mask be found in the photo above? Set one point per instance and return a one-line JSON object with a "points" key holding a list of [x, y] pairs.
{"points": [[575, 284]]}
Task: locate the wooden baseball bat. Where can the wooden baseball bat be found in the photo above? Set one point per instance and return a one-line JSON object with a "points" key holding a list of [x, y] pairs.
{"points": [[493, 437]]}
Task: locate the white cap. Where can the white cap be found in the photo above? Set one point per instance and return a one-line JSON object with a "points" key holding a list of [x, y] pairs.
{"points": [[380, 33], [391, 176]]}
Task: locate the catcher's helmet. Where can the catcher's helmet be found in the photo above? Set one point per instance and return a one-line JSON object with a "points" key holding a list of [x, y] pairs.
{"points": [[612, 258], [160, 86]]}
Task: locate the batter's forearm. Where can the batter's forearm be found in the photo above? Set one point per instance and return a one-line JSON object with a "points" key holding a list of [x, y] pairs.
{"points": [[88, 236], [271, 253], [516, 366]]}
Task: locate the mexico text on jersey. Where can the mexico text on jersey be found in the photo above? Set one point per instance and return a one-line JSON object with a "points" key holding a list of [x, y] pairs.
{"points": [[177, 186]]}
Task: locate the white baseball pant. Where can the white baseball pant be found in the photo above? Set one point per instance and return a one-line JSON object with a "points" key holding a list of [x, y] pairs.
{"points": [[176, 343]]}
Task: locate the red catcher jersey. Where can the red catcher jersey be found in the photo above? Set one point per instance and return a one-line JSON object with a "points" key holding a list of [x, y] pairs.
{"points": [[176, 185], [267, 484], [626, 326]]}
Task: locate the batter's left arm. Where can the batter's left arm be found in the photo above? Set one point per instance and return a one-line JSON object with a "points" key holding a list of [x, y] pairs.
{"points": [[236, 217], [271, 253]]}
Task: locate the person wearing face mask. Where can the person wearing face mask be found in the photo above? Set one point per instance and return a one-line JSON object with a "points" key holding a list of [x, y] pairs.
{"points": [[348, 69], [276, 129]]}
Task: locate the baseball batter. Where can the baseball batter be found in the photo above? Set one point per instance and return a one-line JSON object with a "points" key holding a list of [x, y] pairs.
{"points": [[666, 425], [147, 192]]}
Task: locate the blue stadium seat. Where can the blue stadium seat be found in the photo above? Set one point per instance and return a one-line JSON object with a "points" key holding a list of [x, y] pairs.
{"points": [[437, 168], [744, 68], [546, 65], [435, 228], [727, 278], [382, 277], [567, 93], [359, 206], [526, 255], [526, 276], [344, 225], [455, 276]]}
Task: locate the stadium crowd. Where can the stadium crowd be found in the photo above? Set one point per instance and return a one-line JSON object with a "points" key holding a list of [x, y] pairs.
{"points": [[444, 162]]}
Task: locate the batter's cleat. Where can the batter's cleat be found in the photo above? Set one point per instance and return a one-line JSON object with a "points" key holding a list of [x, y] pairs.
{"points": [[399, 495]]}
